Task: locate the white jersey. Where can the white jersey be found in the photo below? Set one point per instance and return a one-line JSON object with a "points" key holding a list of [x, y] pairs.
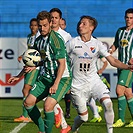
{"points": [[65, 35], [83, 59]]}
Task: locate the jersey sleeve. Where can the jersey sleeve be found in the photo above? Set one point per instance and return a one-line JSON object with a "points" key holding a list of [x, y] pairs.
{"points": [[103, 50], [58, 45]]}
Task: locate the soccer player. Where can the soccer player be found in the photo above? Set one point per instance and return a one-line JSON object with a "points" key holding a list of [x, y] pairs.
{"points": [[124, 43], [67, 97], [55, 81], [86, 83], [29, 78], [56, 15]]}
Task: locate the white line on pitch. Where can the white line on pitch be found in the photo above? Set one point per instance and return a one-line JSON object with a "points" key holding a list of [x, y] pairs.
{"points": [[21, 125]]}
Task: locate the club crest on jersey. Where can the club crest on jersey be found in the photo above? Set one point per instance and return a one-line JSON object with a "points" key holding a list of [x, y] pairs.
{"points": [[93, 49], [124, 43], [43, 54]]}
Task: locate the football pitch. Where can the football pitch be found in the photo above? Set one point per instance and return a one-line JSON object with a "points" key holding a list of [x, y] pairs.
{"points": [[12, 108]]}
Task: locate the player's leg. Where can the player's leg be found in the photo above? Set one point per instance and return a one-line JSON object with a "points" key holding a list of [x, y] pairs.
{"points": [[52, 100], [37, 93], [34, 113], [60, 120], [94, 109], [124, 94], [109, 113], [67, 99], [24, 117], [100, 91], [29, 80], [79, 102]]}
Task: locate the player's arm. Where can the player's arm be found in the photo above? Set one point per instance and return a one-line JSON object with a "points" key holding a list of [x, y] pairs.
{"points": [[15, 78], [112, 49], [116, 63], [105, 63]]}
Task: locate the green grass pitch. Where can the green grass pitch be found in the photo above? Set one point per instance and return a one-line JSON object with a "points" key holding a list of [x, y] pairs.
{"points": [[12, 108]]}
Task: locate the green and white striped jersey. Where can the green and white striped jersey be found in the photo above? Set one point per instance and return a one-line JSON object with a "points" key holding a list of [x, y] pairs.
{"points": [[52, 48], [124, 43], [31, 39]]}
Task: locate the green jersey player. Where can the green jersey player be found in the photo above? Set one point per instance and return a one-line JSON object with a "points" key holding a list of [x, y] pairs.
{"points": [[124, 43], [55, 81], [29, 78]]}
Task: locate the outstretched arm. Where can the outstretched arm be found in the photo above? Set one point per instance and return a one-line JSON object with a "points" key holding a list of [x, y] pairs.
{"points": [[116, 63]]}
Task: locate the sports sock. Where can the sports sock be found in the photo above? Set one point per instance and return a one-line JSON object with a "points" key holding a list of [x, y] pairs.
{"points": [[67, 102], [121, 108], [94, 108], [56, 111], [130, 106], [77, 123], [35, 115], [49, 121], [25, 113]]}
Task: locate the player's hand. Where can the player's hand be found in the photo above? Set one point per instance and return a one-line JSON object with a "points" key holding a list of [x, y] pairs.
{"points": [[130, 67], [19, 58], [53, 89], [29, 69], [110, 51], [12, 79], [130, 61], [99, 71]]}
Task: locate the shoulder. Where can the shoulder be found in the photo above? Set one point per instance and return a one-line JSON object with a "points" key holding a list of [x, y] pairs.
{"points": [[121, 29], [63, 32], [29, 35]]}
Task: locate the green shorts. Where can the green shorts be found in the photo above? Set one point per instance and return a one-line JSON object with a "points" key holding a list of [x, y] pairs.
{"points": [[125, 78], [30, 78], [41, 88]]}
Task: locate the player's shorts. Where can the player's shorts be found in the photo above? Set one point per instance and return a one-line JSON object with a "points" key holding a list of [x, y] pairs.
{"points": [[125, 78], [94, 88], [30, 78], [41, 88]]}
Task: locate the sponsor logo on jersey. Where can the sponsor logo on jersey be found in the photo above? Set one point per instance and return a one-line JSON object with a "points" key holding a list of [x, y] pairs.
{"points": [[78, 46], [85, 56], [93, 49], [124, 43]]}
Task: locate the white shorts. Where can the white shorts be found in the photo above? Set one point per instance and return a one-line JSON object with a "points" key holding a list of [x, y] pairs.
{"points": [[94, 88]]}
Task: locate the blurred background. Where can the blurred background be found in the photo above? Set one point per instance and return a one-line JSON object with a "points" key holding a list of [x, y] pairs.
{"points": [[14, 28]]}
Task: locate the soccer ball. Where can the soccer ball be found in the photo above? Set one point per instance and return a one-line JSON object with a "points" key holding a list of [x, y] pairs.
{"points": [[31, 57]]}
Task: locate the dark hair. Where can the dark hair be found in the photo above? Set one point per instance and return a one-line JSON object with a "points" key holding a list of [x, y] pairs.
{"points": [[130, 10], [33, 19], [44, 15], [56, 10]]}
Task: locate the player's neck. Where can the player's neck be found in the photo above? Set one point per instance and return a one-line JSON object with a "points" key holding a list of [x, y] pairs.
{"points": [[129, 28], [55, 28], [85, 38]]}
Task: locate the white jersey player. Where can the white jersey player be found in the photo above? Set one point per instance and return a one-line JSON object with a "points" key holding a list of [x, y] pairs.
{"points": [[84, 51]]}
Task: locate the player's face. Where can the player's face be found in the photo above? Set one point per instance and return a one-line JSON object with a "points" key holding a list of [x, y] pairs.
{"points": [[34, 27], [129, 20], [85, 27], [55, 19], [62, 24], [44, 27]]}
